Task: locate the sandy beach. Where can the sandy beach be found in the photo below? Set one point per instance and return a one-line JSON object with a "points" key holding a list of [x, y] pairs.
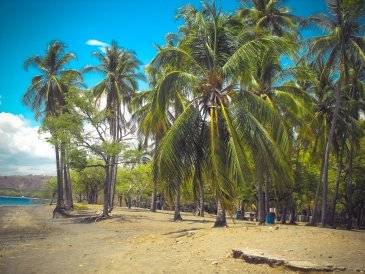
{"points": [[138, 241]]}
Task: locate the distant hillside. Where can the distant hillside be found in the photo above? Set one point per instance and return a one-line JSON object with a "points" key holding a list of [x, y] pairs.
{"points": [[22, 185]]}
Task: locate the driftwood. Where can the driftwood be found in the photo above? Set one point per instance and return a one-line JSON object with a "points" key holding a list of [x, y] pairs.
{"points": [[257, 257]]}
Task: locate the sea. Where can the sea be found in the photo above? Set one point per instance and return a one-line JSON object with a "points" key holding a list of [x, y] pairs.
{"points": [[21, 201]]}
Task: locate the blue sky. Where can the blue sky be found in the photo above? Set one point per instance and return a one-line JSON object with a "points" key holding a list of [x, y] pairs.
{"points": [[27, 26]]}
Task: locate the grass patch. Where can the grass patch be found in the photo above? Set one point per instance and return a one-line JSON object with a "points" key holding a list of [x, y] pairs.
{"points": [[79, 206]]}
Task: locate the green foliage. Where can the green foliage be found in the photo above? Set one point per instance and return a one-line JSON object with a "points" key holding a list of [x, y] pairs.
{"points": [[135, 182], [78, 206]]}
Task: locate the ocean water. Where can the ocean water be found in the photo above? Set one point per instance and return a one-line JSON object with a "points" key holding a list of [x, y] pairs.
{"points": [[21, 201]]}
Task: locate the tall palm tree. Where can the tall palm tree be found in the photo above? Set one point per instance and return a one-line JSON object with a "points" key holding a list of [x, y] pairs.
{"points": [[120, 70], [46, 97], [225, 121], [267, 16], [152, 123], [342, 38]]}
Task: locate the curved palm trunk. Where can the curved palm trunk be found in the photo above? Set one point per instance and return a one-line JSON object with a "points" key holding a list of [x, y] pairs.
{"points": [[221, 220]]}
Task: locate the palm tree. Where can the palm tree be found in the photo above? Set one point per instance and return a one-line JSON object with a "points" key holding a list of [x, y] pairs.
{"points": [[119, 67], [342, 39], [46, 97], [266, 16], [152, 123], [269, 16], [225, 121]]}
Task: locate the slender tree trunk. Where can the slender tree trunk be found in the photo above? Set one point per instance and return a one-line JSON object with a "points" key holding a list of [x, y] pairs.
{"points": [[221, 220], [328, 151], [261, 206], [267, 194], [335, 195], [154, 187], [293, 207], [293, 210], [177, 214], [112, 186], [349, 189], [68, 187], [106, 189], [316, 197], [67, 178], [201, 199], [60, 202], [283, 215]]}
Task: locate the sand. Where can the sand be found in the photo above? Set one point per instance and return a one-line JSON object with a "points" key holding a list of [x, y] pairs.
{"points": [[138, 241]]}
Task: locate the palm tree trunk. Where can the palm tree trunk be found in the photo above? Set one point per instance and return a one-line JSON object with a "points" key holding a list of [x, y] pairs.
{"points": [[154, 188], [201, 198], [261, 206], [335, 195], [267, 194], [68, 188], [316, 197], [106, 189], [221, 220], [177, 214], [293, 211], [60, 202], [327, 157], [349, 189], [112, 185], [293, 207]]}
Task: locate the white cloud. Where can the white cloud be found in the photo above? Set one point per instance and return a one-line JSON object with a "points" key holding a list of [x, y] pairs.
{"points": [[22, 150], [99, 44]]}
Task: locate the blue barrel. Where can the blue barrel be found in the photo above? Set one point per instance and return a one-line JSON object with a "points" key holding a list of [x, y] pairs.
{"points": [[270, 219]]}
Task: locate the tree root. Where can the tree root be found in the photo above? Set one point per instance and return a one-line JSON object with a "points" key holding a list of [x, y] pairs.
{"points": [[95, 219], [60, 212]]}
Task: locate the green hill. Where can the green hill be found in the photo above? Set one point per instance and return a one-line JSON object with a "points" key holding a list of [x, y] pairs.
{"points": [[30, 185]]}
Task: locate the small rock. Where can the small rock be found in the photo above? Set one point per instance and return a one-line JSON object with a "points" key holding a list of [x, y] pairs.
{"points": [[214, 262], [261, 253], [290, 250], [276, 227], [330, 257]]}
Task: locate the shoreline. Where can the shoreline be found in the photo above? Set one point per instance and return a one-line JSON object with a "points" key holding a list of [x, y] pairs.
{"points": [[138, 241]]}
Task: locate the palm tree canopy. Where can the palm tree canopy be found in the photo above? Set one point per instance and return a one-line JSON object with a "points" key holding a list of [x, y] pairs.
{"points": [[120, 70], [222, 125], [46, 92]]}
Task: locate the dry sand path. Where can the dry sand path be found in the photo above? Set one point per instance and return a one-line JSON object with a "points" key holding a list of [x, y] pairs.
{"points": [[137, 241]]}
